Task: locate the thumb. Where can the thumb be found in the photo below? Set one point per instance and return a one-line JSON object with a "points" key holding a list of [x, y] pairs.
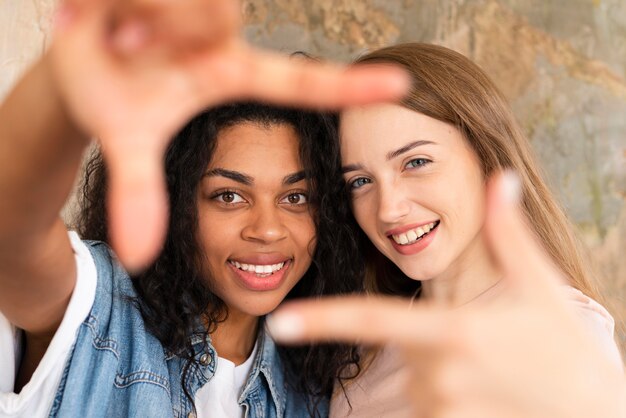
{"points": [[137, 204], [513, 243]]}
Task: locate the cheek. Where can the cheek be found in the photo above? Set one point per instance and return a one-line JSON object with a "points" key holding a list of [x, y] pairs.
{"points": [[469, 207], [304, 234], [216, 236]]}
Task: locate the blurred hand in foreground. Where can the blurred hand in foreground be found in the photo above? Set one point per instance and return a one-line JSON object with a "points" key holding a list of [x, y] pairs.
{"points": [[525, 355], [131, 73]]}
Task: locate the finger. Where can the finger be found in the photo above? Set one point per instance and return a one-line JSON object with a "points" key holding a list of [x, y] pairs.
{"points": [[178, 25], [513, 242], [137, 205], [360, 320], [278, 79]]}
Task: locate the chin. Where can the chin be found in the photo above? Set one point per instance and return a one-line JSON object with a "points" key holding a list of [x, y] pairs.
{"points": [[260, 308], [417, 273]]}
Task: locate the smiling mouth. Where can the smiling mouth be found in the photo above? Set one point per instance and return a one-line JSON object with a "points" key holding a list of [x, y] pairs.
{"points": [[260, 270], [414, 235]]}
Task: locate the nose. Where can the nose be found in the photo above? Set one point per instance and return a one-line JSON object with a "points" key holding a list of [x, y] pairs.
{"points": [[265, 224], [393, 203]]}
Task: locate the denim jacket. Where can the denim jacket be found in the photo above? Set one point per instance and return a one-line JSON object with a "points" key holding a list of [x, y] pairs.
{"points": [[118, 369]]}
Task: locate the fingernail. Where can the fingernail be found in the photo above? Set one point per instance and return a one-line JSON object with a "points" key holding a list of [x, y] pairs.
{"points": [[285, 326], [401, 81], [395, 81], [511, 187]]}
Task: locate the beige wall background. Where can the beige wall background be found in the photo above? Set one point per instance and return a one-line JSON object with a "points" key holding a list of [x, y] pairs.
{"points": [[561, 63]]}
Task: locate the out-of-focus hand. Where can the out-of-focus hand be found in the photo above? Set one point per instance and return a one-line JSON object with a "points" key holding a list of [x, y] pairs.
{"points": [[133, 72], [525, 355]]}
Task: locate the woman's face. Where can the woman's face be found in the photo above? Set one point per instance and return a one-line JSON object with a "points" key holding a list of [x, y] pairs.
{"points": [[417, 189], [255, 224]]}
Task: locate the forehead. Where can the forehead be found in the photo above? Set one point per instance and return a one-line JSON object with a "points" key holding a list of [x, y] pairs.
{"points": [[256, 148], [375, 130]]}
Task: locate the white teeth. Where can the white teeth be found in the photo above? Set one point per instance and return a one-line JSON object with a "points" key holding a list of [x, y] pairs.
{"points": [[413, 235], [265, 269]]}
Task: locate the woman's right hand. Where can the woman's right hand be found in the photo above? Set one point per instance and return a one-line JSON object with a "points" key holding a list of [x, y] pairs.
{"points": [[132, 72]]}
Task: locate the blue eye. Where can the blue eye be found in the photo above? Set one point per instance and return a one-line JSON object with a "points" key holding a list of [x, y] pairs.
{"points": [[417, 162], [359, 182]]}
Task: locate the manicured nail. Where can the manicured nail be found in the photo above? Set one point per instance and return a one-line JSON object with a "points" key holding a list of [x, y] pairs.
{"points": [[285, 326], [511, 187]]}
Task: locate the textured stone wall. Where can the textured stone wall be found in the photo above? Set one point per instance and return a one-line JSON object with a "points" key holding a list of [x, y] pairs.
{"points": [[561, 63]]}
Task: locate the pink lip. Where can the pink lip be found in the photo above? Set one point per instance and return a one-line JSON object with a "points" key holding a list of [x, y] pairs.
{"points": [[418, 245], [403, 229], [261, 284]]}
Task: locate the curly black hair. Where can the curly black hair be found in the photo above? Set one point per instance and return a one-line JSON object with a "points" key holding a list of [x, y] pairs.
{"points": [[173, 294]]}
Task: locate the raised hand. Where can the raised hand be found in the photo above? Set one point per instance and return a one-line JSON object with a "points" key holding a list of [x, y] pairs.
{"points": [[525, 355], [131, 73]]}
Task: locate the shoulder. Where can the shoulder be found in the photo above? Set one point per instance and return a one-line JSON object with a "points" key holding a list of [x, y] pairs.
{"points": [[109, 271], [115, 315], [588, 308], [596, 318], [115, 364]]}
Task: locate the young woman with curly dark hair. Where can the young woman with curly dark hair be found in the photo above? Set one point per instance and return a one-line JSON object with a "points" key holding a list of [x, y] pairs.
{"points": [[249, 185]]}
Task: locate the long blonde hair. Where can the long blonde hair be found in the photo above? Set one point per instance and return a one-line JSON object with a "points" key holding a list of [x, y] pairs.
{"points": [[449, 87]]}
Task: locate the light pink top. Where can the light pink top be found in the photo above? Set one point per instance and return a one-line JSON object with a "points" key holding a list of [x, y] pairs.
{"points": [[377, 392]]}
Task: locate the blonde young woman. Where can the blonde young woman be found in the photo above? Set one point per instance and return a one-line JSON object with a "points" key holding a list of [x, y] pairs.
{"points": [[418, 172]]}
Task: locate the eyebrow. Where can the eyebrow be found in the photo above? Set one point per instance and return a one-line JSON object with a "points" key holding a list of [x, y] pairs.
{"points": [[408, 147], [294, 178], [351, 167], [248, 180], [390, 155], [230, 174]]}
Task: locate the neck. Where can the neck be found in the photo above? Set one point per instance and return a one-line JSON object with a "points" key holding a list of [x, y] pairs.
{"points": [[468, 279], [234, 338]]}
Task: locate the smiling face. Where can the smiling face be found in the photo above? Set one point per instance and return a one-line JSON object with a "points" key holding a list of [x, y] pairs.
{"points": [[417, 189], [255, 223]]}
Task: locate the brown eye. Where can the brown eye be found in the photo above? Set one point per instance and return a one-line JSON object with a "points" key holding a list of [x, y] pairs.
{"points": [[295, 199], [228, 197]]}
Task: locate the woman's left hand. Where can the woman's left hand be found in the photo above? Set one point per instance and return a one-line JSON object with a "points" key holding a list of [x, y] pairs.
{"points": [[525, 355]]}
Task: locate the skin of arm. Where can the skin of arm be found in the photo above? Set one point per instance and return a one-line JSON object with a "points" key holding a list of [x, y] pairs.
{"points": [[40, 152]]}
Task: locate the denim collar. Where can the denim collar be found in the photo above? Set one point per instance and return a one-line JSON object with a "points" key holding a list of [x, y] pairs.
{"points": [[268, 364]]}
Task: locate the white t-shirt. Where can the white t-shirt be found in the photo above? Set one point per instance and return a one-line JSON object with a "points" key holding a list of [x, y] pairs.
{"points": [[218, 398], [36, 397]]}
